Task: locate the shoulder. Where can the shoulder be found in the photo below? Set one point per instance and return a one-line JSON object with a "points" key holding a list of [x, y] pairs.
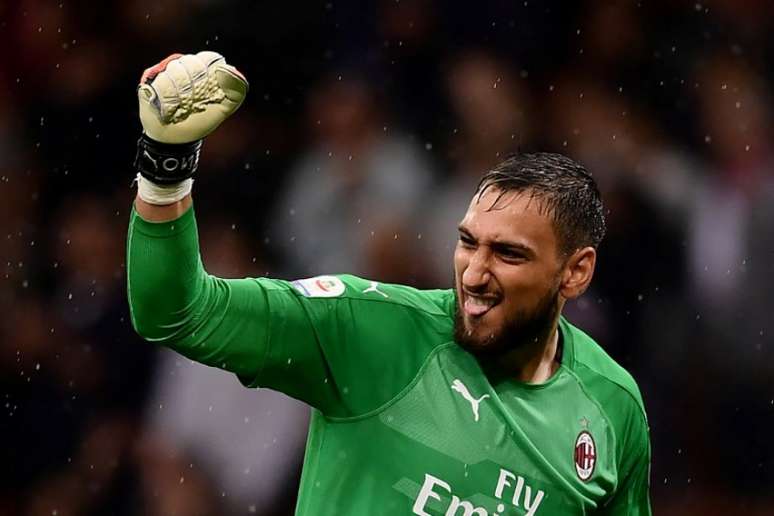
{"points": [[612, 387], [367, 329], [618, 396], [597, 369], [433, 303], [358, 309]]}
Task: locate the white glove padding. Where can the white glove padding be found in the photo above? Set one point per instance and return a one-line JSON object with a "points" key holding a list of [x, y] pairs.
{"points": [[186, 97]]}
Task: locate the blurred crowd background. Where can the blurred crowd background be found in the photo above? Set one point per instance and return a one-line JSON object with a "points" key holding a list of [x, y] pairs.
{"points": [[361, 140]]}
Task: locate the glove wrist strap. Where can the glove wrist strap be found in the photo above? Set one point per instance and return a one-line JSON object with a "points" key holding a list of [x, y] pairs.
{"points": [[166, 163]]}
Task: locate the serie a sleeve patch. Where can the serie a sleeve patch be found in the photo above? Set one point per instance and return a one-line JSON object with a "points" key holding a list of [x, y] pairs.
{"points": [[320, 286]]}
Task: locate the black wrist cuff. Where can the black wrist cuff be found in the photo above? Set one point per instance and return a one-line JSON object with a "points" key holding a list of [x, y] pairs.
{"points": [[166, 163]]}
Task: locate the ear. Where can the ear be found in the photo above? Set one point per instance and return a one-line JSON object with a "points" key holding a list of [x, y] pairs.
{"points": [[577, 272]]}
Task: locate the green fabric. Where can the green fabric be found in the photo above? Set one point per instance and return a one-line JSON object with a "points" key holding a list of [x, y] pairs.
{"points": [[404, 420]]}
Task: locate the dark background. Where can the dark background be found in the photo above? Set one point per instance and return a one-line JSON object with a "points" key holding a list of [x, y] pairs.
{"points": [[668, 104]]}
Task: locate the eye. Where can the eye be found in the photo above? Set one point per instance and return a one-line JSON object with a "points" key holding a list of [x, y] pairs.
{"points": [[511, 255], [467, 242]]}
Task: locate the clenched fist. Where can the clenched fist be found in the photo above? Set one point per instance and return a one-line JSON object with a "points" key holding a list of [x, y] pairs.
{"points": [[186, 97], [182, 99]]}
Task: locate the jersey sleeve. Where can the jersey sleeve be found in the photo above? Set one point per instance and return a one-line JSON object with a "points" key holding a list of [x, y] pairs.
{"points": [[632, 496], [328, 341]]}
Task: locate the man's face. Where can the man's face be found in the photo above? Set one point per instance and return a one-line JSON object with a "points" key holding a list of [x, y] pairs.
{"points": [[507, 273]]}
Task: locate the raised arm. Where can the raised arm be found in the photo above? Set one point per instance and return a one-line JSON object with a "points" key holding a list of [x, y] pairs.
{"points": [[249, 326], [174, 302], [172, 299], [321, 340]]}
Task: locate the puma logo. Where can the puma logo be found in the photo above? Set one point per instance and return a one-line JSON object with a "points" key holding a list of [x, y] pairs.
{"points": [[374, 288], [147, 156], [458, 386]]}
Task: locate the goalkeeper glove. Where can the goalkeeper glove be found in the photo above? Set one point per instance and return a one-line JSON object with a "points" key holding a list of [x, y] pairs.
{"points": [[182, 99]]}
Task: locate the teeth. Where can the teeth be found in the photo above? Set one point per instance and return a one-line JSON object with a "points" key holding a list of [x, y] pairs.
{"points": [[480, 301]]}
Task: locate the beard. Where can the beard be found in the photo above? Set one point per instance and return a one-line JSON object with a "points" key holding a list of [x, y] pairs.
{"points": [[524, 328]]}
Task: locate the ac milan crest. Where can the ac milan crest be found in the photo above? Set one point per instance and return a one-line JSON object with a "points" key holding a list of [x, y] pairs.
{"points": [[585, 455]]}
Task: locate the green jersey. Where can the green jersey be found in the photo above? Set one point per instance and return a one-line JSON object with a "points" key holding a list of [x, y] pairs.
{"points": [[405, 421]]}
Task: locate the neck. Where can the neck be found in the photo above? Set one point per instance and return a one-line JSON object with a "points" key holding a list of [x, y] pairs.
{"points": [[535, 363]]}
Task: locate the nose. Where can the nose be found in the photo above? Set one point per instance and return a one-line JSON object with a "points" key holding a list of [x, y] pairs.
{"points": [[476, 275]]}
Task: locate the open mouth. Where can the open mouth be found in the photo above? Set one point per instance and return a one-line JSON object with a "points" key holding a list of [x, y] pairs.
{"points": [[477, 306]]}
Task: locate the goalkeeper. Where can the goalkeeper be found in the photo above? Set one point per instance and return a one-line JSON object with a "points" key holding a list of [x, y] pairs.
{"points": [[477, 400]]}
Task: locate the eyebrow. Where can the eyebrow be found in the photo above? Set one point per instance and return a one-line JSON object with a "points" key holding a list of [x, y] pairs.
{"points": [[501, 245]]}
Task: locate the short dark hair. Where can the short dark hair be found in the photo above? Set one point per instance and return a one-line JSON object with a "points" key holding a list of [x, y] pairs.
{"points": [[565, 189]]}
